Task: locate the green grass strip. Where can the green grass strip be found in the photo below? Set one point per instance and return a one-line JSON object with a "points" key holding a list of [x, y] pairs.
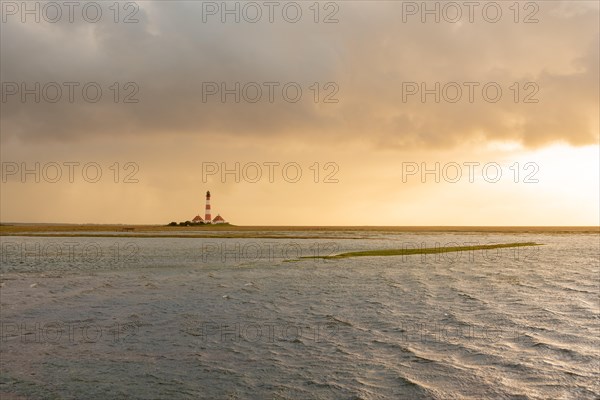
{"points": [[428, 250]]}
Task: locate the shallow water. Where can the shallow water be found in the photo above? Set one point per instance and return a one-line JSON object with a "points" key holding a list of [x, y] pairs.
{"points": [[103, 318]]}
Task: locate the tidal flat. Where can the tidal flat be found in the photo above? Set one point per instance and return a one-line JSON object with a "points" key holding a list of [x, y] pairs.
{"points": [[228, 317]]}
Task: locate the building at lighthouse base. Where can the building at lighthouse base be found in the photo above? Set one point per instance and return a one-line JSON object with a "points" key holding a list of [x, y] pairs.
{"points": [[216, 220]]}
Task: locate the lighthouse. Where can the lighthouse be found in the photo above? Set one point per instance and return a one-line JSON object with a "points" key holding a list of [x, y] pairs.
{"points": [[207, 217], [197, 220]]}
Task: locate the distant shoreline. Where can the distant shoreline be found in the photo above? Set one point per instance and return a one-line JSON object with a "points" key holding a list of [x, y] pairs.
{"points": [[95, 230]]}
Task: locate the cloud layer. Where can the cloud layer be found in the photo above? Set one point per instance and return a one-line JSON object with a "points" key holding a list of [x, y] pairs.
{"points": [[369, 56]]}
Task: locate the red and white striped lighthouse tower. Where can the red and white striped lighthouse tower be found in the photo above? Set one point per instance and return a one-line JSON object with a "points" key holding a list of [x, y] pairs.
{"points": [[207, 217]]}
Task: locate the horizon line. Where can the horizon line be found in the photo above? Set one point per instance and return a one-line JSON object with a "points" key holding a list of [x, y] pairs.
{"points": [[304, 226]]}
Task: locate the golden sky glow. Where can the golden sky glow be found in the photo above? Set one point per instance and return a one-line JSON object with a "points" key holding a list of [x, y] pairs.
{"points": [[373, 65]]}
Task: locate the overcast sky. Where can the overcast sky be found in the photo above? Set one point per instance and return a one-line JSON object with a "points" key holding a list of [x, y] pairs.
{"points": [[361, 114]]}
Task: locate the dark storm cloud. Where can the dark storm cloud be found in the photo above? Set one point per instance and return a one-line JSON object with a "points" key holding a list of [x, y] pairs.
{"points": [[170, 52]]}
